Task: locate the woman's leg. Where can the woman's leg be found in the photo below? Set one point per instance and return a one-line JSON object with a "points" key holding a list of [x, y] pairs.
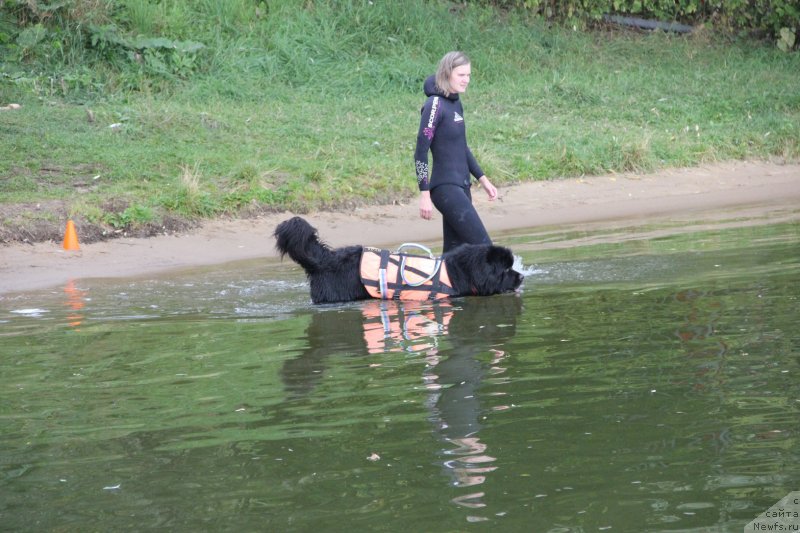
{"points": [[461, 223]]}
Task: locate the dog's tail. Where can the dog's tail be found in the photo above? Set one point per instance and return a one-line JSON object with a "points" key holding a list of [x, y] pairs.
{"points": [[298, 239]]}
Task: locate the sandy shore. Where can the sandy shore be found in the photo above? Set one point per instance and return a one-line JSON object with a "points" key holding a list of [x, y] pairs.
{"points": [[627, 198]]}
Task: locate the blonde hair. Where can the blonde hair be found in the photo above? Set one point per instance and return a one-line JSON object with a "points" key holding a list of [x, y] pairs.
{"points": [[447, 64]]}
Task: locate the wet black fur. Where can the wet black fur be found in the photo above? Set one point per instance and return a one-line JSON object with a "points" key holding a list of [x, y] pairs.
{"points": [[333, 273]]}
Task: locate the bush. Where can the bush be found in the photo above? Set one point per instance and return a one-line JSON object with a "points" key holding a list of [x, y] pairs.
{"points": [[157, 34], [779, 20]]}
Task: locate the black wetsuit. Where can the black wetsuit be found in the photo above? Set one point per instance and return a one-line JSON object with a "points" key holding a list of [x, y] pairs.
{"points": [[442, 131]]}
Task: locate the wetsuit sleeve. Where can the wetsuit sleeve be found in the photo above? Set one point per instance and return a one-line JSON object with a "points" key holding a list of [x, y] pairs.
{"points": [[429, 120], [474, 167]]}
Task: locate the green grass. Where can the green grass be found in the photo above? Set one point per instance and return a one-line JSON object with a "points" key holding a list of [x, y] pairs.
{"points": [[305, 109]]}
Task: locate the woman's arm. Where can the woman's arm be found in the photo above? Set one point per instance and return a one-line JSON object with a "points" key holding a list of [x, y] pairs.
{"points": [[429, 120], [490, 189], [425, 205], [472, 164]]}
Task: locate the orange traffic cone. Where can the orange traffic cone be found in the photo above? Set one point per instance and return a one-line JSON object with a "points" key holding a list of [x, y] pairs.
{"points": [[71, 237]]}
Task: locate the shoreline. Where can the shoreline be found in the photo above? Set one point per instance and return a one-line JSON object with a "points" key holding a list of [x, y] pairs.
{"points": [[624, 199]]}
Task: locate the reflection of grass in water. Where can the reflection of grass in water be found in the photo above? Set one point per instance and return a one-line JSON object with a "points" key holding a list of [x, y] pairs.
{"points": [[655, 377], [647, 261], [667, 238]]}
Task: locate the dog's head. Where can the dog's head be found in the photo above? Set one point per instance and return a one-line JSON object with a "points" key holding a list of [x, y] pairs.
{"points": [[488, 268], [501, 262]]}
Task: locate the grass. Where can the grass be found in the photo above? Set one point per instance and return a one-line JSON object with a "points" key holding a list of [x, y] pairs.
{"points": [[315, 108]]}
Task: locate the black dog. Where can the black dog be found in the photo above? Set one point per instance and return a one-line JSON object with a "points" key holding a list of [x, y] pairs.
{"points": [[335, 273]]}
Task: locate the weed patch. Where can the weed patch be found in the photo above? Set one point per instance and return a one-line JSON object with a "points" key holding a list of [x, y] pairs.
{"points": [[154, 115]]}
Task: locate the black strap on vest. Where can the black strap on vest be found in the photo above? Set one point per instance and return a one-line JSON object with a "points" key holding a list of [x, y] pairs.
{"points": [[435, 287], [397, 284]]}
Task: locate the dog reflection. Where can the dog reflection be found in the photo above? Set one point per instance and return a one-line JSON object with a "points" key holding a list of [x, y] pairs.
{"points": [[374, 327], [414, 327], [330, 331], [463, 343]]}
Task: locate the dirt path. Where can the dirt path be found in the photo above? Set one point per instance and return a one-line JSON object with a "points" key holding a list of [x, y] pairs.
{"points": [[627, 199]]}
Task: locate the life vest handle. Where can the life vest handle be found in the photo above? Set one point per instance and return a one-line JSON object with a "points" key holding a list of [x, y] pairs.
{"points": [[415, 245], [436, 264]]}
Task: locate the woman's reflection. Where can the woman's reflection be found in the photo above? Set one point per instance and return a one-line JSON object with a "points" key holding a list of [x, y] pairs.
{"points": [[477, 333], [463, 342]]}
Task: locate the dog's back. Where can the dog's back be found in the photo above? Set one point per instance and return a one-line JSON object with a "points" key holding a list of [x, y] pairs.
{"points": [[332, 273]]}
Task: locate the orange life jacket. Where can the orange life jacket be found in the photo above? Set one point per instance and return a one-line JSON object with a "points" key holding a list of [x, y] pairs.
{"points": [[399, 276]]}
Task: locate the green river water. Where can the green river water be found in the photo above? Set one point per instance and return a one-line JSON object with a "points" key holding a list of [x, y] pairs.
{"points": [[644, 380]]}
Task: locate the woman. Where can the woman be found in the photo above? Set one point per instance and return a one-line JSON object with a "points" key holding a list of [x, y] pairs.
{"points": [[442, 131]]}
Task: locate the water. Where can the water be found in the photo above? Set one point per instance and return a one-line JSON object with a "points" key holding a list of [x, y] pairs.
{"points": [[643, 381]]}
